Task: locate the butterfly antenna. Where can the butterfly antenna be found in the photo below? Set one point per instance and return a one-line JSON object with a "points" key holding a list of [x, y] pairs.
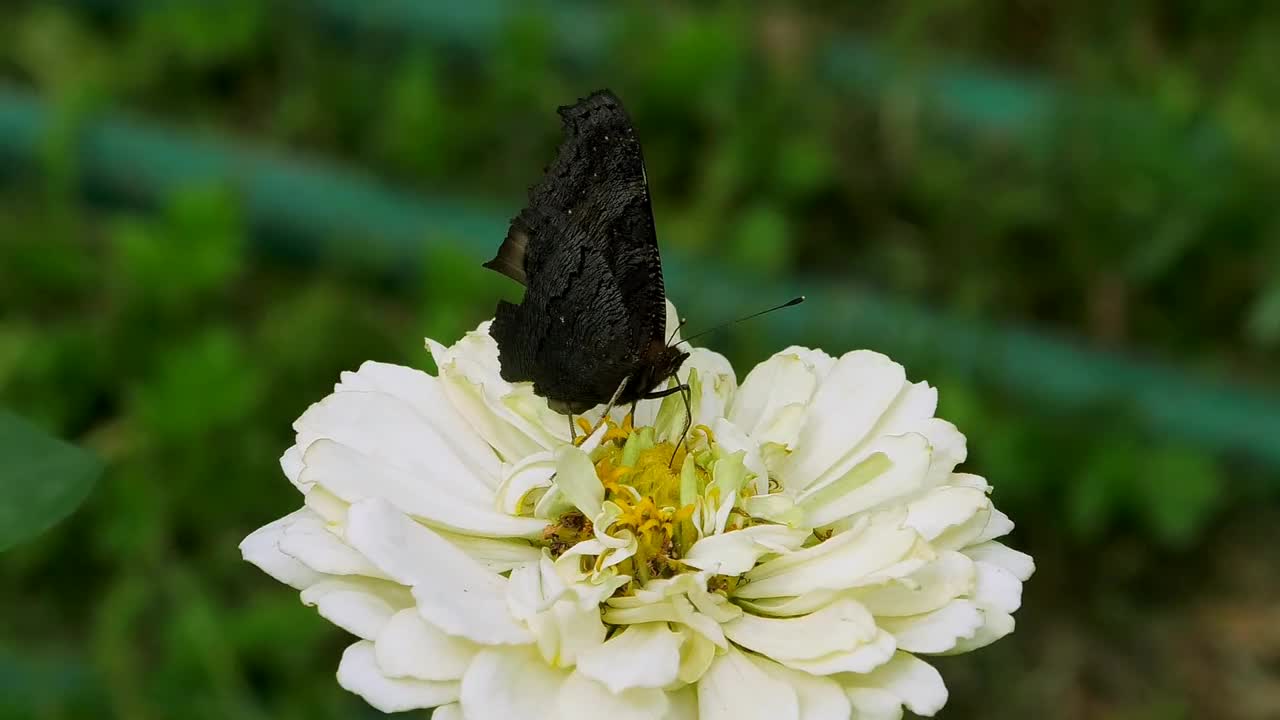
{"points": [[679, 325], [790, 303]]}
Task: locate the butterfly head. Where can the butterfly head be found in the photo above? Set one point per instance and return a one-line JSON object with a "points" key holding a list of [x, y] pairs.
{"points": [[660, 362]]}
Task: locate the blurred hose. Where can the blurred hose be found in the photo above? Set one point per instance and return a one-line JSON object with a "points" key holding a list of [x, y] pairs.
{"points": [[296, 206], [980, 100]]}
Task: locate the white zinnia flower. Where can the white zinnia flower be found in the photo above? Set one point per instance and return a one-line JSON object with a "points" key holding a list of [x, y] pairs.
{"points": [[792, 561]]}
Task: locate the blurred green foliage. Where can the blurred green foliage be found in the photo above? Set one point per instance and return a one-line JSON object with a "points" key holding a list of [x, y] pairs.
{"points": [[1140, 219]]}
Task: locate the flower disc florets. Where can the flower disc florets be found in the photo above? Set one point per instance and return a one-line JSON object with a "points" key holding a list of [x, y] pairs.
{"points": [[655, 493]]}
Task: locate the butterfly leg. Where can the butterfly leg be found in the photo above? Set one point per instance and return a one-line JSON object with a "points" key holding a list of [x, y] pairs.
{"points": [[573, 431], [685, 394], [609, 408]]}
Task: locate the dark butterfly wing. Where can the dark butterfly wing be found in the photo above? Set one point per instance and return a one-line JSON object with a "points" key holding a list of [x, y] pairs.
{"points": [[587, 252]]}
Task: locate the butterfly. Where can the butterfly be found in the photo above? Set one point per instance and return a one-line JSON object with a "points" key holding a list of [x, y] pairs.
{"points": [[591, 328]]}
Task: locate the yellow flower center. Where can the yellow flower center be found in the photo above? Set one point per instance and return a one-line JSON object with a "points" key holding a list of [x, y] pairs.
{"points": [[642, 477]]}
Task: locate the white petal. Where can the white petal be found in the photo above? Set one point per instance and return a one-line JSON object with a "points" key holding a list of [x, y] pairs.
{"points": [[672, 323], [424, 393], [359, 673], [731, 439], [737, 551], [911, 412], [361, 606], [354, 476], [511, 682], [582, 698], [786, 379], [802, 604], [949, 576], [937, 631], [915, 682], [471, 366], [845, 407], [331, 508], [385, 427], [944, 508], [497, 555], [734, 688], [874, 704], [998, 525], [684, 704], [564, 623], [576, 477], [521, 479], [475, 389], [995, 625], [1019, 564], [998, 588], [895, 467], [310, 542], [860, 659], [820, 698], [409, 646], [716, 380], [915, 404], [714, 605], [698, 622], [566, 631], [291, 464], [696, 655], [452, 711], [531, 413], [846, 560], [641, 656], [949, 448], [775, 507], [262, 548], [778, 437], [841, 626], [453, 592], [655, 612], [969, 480], [534, 588]]}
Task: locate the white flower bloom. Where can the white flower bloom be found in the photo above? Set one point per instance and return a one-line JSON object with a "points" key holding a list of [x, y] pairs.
{"points": [[792, 559]]}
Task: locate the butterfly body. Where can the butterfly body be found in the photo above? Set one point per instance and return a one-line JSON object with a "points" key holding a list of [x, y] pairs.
{"points": [[591, 328]]}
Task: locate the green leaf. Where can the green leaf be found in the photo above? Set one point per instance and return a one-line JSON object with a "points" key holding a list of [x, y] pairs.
{"points": [[42, 479]]}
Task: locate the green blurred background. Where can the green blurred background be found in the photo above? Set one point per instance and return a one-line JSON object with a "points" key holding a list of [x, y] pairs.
{"points": [[1064, 217]]}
